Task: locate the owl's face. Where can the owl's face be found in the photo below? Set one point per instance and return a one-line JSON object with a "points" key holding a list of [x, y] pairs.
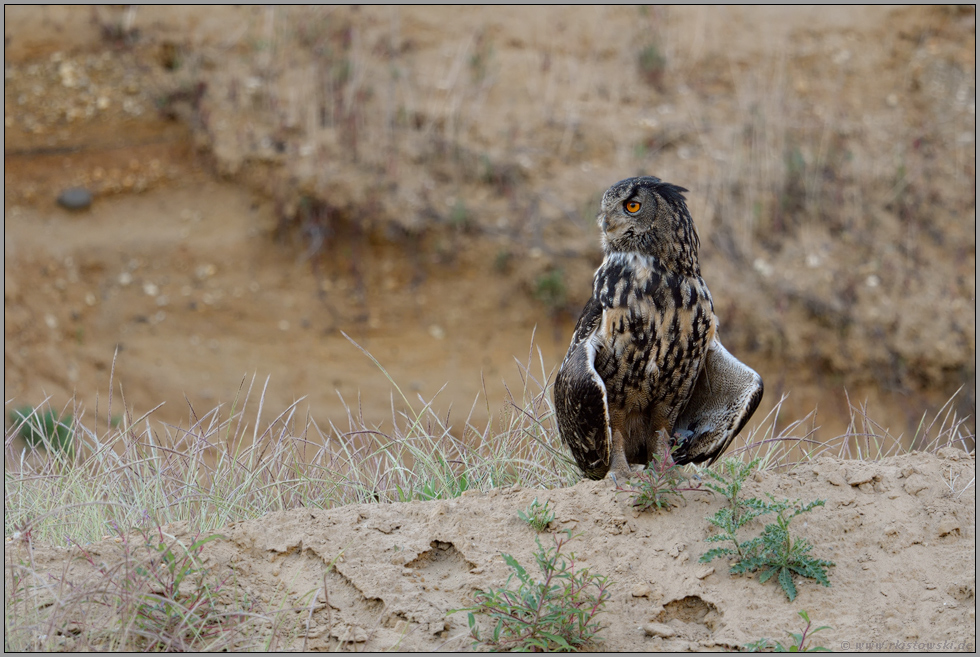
{"points": [[646, 215]]}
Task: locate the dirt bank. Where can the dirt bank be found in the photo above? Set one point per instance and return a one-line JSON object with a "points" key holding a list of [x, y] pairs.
{"points": [[902, 533]]}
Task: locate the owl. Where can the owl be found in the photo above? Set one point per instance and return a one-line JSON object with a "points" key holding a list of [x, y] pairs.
{"points": [[646, 370]]}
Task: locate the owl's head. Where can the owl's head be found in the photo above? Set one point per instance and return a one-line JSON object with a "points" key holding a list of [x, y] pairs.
{"points": [[648, 216]]}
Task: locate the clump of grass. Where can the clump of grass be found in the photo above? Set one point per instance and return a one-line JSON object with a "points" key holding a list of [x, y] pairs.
{"points": [[538, 516], [556, 612], [774, 552], [156, 594], [449, 485], [866, 439], [163, 599], [659, 485], [44, 429], [777, 445], [800, 640]]}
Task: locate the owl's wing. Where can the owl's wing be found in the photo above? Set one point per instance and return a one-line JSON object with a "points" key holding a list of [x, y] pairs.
{"points": [[725, 396], [580, 399]]}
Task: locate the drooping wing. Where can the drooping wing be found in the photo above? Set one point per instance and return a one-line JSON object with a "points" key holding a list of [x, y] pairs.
{"points": [[725, 396], [580, 399]]}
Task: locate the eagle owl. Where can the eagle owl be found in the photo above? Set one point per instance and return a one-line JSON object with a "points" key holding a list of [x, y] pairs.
{"points": [[645, 364]]}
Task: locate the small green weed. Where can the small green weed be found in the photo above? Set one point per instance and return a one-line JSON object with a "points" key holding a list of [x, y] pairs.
{"points": [[799, 643], [738, 513], [550, 289], [658, 483], [445, 484], [502, 262], [433, 489], [537, 515], [730, 486], [44, 429], [773, 553], [652, 65], [556, 613], [459, 216], [777, 553]]}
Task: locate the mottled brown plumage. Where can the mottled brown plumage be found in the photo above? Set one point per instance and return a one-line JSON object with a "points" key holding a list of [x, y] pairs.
{"points": [[645, 360]]}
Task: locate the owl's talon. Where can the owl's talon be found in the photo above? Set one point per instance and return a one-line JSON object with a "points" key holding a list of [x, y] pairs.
{"points": [[620, 478], [680, 437]]}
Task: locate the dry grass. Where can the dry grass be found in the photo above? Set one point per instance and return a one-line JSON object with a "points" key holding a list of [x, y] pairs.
{"points": [[219, 469], [865, 439]]}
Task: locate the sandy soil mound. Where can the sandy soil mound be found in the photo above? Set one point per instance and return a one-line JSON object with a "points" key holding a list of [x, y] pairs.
{"points": [[901, 531]]}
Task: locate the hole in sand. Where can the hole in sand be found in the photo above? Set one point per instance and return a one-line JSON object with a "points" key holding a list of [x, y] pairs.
{"points": [[441, 559], [690, 610]]}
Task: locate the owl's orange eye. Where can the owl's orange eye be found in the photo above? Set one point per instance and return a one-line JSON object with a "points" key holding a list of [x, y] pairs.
{"points": [[632, 207]]}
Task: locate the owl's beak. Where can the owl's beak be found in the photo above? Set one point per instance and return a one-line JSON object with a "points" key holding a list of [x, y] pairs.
{"points": [[603, 223]]}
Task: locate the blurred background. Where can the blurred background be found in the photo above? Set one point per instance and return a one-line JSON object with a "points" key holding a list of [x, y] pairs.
{"points": [[250, 183]]}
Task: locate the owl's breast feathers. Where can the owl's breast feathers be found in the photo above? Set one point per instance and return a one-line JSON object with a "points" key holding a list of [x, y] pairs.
{"points": [[654, 330], [637, 349]]}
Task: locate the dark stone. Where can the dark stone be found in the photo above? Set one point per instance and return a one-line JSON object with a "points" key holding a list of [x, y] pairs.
{"points": [[76, 198]]}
